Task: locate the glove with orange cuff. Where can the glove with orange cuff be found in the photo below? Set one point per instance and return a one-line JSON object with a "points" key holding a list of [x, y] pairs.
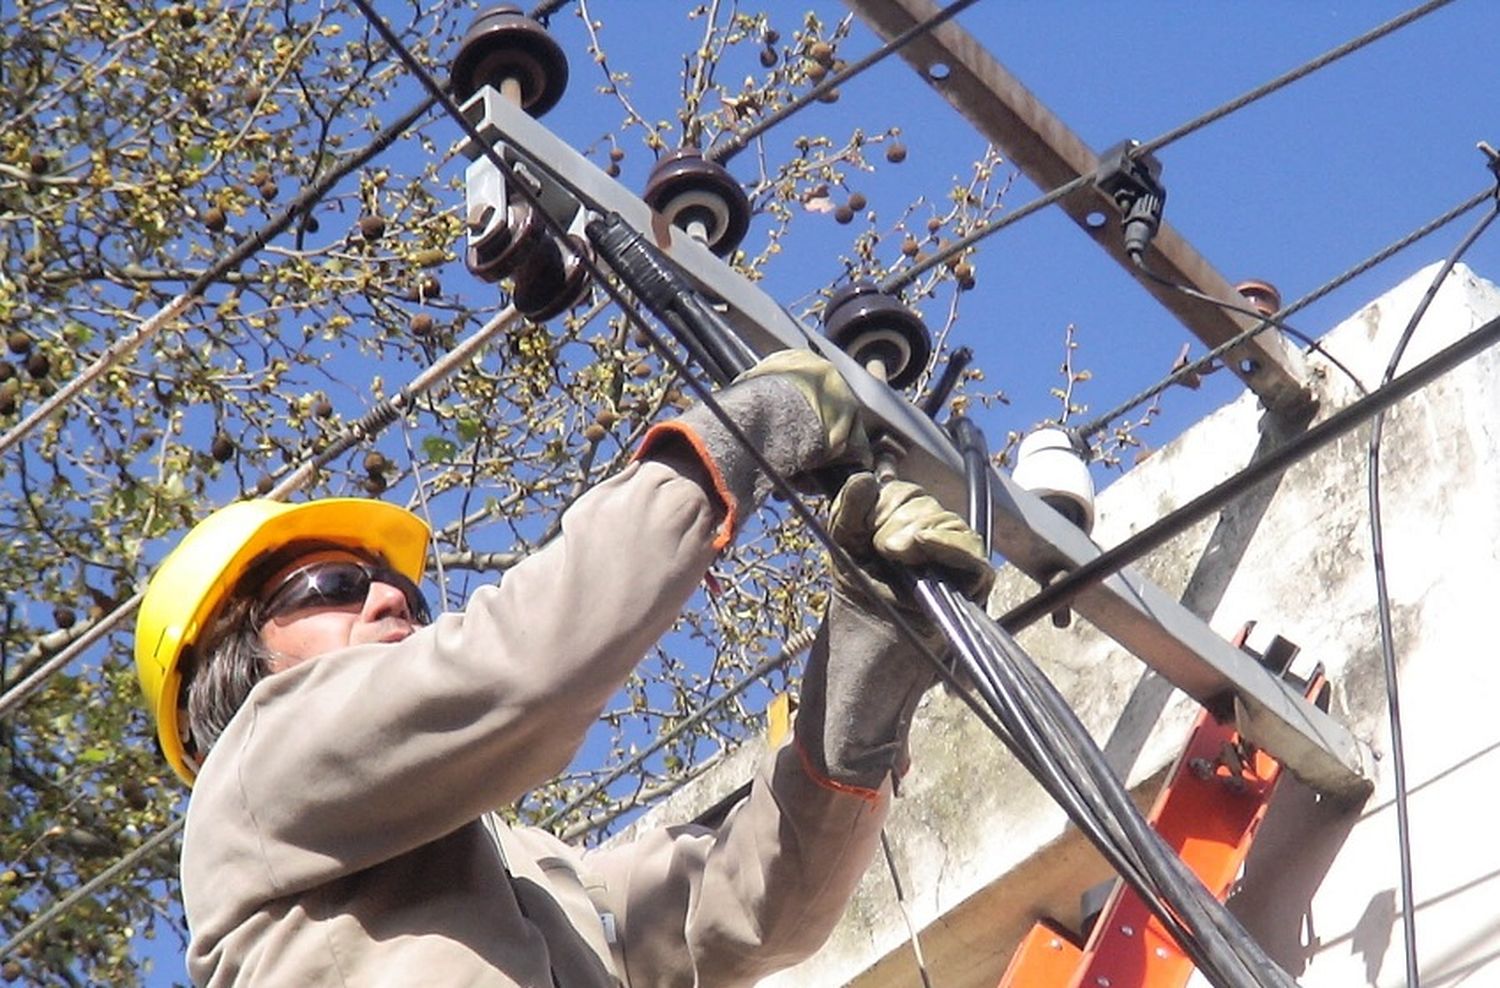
{"points": [[864, 678], [793, 406]]}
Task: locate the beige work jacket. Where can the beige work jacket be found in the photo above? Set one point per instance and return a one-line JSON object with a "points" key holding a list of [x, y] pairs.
{"points": [[338, 832]]}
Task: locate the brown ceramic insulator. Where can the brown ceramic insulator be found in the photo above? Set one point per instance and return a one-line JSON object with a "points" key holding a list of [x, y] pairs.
{"points": [[506, 49], [1262, 296], [870, 325], [686, 187]]}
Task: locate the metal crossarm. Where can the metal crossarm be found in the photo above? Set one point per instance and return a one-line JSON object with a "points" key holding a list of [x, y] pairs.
{"points": [[1051, 155], [1039, 541]]}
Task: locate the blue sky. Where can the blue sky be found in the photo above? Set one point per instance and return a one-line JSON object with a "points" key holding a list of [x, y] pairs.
{"points": [[1293, 190]]}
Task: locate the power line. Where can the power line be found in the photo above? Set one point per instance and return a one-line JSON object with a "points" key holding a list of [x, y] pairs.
{"points": [[1334, 283], [1383, 601], [364, 428], [795, 644], [899, 280], [1286, 79], [106, 877], [1117, 557], [738, 141]]}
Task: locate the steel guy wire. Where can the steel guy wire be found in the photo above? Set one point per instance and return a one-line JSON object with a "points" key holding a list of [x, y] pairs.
{"points": [[794, 645], [1383, 600], [106, 877], [362, 429], [900, 279], [1338, 281], [1307, 68], [738, 141], [1115, 558], [839, 555], [241, 252]]}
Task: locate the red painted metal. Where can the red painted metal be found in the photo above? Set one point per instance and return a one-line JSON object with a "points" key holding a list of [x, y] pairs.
{"points": [[1208, 812]]}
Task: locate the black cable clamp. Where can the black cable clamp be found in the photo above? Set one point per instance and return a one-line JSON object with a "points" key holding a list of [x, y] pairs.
{"points": [[1133, 182]]}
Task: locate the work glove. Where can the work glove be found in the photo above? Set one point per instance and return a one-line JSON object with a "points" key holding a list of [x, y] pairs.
{"points": [[865, 676], [793, 407], [828, 394], [900, 524]]}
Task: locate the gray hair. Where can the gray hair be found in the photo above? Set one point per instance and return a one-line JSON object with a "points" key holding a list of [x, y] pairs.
{"points": [[221, 673]]}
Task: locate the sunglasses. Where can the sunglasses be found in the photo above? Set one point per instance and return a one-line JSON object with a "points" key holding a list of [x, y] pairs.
{"points": [[339, 583]]}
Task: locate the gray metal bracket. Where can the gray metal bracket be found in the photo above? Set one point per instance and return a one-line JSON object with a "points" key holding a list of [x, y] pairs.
{"points": [[1130, 609]]}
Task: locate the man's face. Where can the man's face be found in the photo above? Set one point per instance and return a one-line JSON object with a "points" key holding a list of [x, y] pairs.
{"points": [[314, 607]]}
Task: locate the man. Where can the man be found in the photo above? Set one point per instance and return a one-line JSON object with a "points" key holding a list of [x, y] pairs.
{"points": [[346, 754]]}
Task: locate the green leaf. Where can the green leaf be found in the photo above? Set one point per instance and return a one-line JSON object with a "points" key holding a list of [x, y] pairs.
{"points": [[195, 154], [439, 449]]}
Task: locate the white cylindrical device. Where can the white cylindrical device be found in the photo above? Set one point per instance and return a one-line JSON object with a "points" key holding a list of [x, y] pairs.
{"points": [[1051, 467]]}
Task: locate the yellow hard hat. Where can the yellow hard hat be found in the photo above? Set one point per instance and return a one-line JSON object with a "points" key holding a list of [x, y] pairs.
{"points": [[200, 576]]}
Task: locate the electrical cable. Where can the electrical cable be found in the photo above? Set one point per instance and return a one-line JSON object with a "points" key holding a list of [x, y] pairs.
{"points": [[738, 141], [1383, 601], [899, 280], [793, 646], [1266, 320], [1202, 363], [904, 909], [1307, 68], [1065, 779], [250, 245], [1037, 740], [1167, 867], [358, 431], [1046, 737], [1115, 558], [106, 877]]}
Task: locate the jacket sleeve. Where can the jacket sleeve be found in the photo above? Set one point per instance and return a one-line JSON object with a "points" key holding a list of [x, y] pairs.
{"points": [[763, 890], [413, 739]]}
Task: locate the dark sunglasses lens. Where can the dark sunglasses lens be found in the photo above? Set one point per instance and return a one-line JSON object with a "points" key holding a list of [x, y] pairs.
{"points": [[338, 584], [328, 584]]}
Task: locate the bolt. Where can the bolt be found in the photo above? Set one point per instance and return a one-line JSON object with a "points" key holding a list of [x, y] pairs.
{"points": [[479, 218]]}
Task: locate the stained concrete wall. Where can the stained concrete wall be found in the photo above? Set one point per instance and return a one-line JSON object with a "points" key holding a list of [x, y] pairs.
{"points": [[981, 851]]}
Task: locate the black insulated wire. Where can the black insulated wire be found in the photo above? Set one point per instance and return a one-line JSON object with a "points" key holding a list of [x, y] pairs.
{"points": [[1383, 603], [1117, 557], [1204, 362], [1059, 769], [899, 280]]}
